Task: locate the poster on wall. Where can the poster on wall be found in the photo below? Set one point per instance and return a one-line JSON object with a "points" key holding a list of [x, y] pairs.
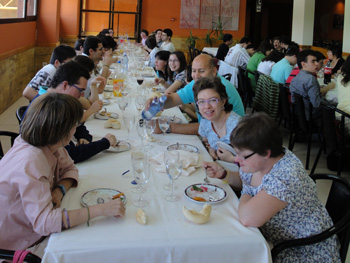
{"points": [[201, 14]]}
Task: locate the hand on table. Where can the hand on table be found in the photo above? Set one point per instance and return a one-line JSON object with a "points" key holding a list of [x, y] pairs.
{"points": [[213, 169], [83, 141], [57, 196], [114, 208], [96, 106], [212, 153], [159, 81], [225, 155], [111, 138]]}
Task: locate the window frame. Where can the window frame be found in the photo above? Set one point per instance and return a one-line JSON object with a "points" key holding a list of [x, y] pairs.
{"points": [[26, 18]]}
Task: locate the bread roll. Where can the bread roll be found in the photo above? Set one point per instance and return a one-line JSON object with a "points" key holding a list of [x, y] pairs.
{"points": [[141, 217], [198, 217], [112, 123]]}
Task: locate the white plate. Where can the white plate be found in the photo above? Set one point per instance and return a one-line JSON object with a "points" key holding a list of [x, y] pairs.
{"points": [[226, 147], [106, 102], [90, 197], [112, 115], [184, 147], [123, 146], [227, 165], [173, 119], [108, 87], [211, 193]]}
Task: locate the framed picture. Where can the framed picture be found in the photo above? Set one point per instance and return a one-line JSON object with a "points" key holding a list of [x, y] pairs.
{"points": [[338, 21]]}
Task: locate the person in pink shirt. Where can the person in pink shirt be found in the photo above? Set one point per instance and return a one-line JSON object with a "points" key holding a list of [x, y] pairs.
{"points": [[36, 173]]}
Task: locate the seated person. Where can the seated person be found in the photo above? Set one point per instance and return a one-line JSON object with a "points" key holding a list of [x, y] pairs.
{"points": [[151, 44], [282, 69], [37, 172], [161, 64], [61, 54], [306, 84], [278, 195], [266, 64], [176, 73], [202, 66], [166, 38], [71, 78], [144, 34], [277, 44], [243, 43], [218, 119], [334, 55], [158, 34], [224, 47], [78, 46]]}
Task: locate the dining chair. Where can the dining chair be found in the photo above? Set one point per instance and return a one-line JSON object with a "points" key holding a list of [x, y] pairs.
{"points": [[285, 111], [257, 75], [12, 136], [190, 50], [303, 127], [244, 88], [225, 69], [12, 254], [19, 113], [338, 207]]}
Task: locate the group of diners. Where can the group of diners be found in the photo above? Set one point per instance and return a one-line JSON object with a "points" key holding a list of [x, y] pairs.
{"points": [[277, 195]]}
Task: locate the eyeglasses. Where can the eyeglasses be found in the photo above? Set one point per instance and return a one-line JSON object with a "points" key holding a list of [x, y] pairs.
{"points": [[212, 102], [174, 60], [247, 156], [79, 89]]}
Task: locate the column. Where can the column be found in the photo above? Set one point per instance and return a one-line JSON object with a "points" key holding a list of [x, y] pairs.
{"points": [[346, 31], [303, 22]]}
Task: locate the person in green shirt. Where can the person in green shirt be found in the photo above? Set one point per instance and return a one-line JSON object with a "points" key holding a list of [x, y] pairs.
{"points": [[263, 50]]}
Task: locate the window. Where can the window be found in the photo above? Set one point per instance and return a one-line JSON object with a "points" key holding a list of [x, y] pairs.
{"points": [[12, 11]]}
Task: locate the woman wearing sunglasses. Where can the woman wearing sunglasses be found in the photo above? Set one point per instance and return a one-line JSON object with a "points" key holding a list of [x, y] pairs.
{"points": [[278, 195], [218, 119]]}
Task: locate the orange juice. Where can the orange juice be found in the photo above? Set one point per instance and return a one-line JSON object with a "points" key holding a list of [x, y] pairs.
{"points": [[118, 87]]}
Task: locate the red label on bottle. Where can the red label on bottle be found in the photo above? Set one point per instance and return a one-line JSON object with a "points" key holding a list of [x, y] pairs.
{"points": [[327, 70]]}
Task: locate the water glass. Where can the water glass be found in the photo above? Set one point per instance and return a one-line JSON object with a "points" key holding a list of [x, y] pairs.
{"points": [[142, 173], [164, 126], [174, 170], [129, 121]]}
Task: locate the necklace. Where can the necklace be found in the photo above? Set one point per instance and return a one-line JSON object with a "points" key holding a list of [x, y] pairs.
{"points": [[220, 129]]}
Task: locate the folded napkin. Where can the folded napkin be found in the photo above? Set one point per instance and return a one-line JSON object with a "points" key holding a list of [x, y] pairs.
{"points": [[190, 161]]}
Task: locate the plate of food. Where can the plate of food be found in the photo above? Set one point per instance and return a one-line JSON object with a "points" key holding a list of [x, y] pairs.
{"points": [[184, 147], [205, 193], [103, 115], [106, 102], [108, 87], [104, 195], [226, 147], [122, 146]]}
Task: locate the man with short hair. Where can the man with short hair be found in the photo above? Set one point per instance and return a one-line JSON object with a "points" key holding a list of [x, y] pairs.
{"points": [[61, 54], [306, 84], [202, 66], [243, 43], [166, 38], [158, 34], [224, 47], [282, 69], [71, 78]]}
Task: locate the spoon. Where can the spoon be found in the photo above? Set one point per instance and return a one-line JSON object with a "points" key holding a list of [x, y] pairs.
{"points": [[100, 200], [206, 180]]}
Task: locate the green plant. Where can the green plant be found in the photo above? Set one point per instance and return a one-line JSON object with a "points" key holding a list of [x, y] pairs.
{"points": [[191, 40], [208, 39], [217, 29]]}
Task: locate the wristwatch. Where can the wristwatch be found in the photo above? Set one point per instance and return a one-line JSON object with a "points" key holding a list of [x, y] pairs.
{"points": [[62, 188], [168, 130]]}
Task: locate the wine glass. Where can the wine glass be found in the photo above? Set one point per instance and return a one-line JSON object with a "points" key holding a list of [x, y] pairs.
{"points": [[141, 131], [174, 169], [164, 126], [142, 173], [173, 155], [139, 103], [123, 103], [150, 126], [139, 80], [136, 157], [129, 121]]}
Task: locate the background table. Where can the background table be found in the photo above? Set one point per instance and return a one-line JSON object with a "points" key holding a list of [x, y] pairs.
{"points": [[211, 50], [168, 237]]}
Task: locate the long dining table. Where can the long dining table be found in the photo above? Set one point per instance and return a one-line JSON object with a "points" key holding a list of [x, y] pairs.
{"points": [[168, 236]]}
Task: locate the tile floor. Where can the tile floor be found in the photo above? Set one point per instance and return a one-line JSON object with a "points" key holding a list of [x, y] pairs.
{"points": [[8, 122]]}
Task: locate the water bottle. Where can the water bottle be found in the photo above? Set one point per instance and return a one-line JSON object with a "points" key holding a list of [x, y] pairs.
{"points": [[125, 63], [327, 76], [157, 105]]}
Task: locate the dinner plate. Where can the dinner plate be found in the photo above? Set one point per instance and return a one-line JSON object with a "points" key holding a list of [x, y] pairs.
{"points": [[123, 146], [109, 115], [108, 87], [205, 193], [90, 197], [173, 119], [106, 102], [184, 147], [226, 147], [149, 75]]}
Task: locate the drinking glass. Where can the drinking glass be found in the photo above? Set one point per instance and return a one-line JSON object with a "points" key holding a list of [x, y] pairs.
{"points": [[142, 173], [139, 103], [123, 103], [170, 155], [139, 80], [129, 121], [164, 126], [150, 126], [141, 131], [174, 170], [137, 157]]}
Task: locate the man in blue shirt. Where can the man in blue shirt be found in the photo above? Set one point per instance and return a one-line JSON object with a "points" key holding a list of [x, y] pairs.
{"points": [[282, 69], [202, 66]]}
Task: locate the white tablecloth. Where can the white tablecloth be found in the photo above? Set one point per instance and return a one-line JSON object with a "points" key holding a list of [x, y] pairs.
{"points": [[211, 50], [168, 237]]}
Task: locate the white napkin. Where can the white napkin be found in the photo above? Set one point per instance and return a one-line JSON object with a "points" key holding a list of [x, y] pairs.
{"points": [[190, 161]]}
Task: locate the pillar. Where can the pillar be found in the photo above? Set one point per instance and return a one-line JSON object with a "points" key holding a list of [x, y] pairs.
{"points": [[303, 22]]}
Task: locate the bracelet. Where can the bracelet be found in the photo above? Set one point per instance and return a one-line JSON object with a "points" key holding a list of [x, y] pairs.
{"points": [[62, 188], [88, 221], [106, 66], [67, 218], [223, 175], [227, 177]]}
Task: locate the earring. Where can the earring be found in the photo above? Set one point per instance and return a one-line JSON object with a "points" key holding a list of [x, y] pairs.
{"points": [[223, 107]]}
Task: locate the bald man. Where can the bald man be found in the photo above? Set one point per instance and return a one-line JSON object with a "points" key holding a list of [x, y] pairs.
{"points": [[202, 66]]}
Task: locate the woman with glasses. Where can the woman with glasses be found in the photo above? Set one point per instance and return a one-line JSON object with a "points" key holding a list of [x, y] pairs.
{"points": [[37, 172], [278, 195], [176, 73], [218, 119]]}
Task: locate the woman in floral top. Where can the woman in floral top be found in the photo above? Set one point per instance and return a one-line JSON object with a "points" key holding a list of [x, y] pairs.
{"points": [[278, 196]]}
